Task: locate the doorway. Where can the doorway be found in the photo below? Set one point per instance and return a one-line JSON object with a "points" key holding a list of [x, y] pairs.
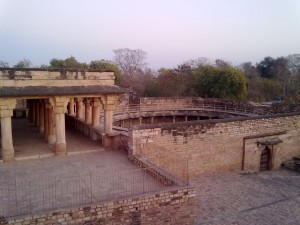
{"points": [[265, 159]]}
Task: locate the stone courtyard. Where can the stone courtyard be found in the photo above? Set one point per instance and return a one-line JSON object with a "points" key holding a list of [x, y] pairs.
{"points": [[265, 198], [46, 184]]}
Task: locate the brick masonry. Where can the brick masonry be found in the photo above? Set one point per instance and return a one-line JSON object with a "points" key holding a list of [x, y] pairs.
{"points": [[174, 206], [219, 145]]}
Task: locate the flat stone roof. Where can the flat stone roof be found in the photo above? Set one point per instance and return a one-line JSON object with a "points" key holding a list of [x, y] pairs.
{"points": [[54, 69], [56, 91]]}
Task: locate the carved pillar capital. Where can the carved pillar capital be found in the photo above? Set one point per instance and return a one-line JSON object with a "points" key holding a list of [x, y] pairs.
{"points": [[6, 107], [59, 103], [109, 102]]}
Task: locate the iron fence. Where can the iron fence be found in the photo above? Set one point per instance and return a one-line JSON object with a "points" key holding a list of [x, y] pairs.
{"points": [[23, 196], [200, 106]]}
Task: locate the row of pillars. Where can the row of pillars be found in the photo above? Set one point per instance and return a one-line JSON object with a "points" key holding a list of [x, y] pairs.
{"points": [[48, 116], [91, 113]]}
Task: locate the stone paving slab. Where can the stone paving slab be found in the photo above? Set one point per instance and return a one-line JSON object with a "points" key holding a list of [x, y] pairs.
{"points": [[40, 185], [30, 143], [270, 197]]}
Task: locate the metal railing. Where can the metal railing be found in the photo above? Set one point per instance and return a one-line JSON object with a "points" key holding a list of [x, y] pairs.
{"points": [[200, 106], [23, 196]]}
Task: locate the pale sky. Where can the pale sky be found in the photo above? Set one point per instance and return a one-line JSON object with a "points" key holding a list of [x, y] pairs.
{"points": [[170, 31]]}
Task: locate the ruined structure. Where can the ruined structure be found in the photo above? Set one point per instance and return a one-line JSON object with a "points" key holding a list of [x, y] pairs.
{"points": [[168, 140], [253, 139]]}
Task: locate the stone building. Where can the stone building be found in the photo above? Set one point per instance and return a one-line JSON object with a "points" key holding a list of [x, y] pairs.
{"points": [[43, 95]]}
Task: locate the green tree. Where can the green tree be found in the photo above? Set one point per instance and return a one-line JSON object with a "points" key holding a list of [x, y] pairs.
{"points": [[152, 88], [107, 65], [216, 82], [24, 63], [70, 63], [171, 82], [266, 67]]}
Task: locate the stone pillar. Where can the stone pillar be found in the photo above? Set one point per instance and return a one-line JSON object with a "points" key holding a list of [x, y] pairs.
{"points": [[109, 105], [141, 120], [186, 118], [37, 113], [46, 121], [6, 112], [96, 112], [59, 104], [79, 108], [51, 138], [174, 119], [108, 118], [152, 119], [41, 115], [71, 107], [33, 110], [88, 111], [29, 105]]}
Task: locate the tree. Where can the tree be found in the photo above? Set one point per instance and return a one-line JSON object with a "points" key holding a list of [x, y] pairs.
{"points": [[215, 82], [57, 63], [24, 63], [253, 79], [294, 64], [130, 62], [222, 63], [266, 67], [70, 63], [171, 82], [4, 64], [106, 65]]}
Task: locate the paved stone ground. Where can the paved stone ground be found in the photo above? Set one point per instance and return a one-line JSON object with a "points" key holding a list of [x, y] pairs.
{"points": [[265, 198], [29, 143], [40, 185]]}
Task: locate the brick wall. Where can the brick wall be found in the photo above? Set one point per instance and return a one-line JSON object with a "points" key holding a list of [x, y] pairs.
{"points": [[218, 145], [169, 207]]}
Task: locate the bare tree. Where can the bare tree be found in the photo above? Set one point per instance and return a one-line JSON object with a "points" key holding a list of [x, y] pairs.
{"points": [[130, 61], [4, 64]]}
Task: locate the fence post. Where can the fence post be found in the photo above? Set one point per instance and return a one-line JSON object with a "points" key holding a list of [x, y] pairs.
{"points": [[187, 171], [16, 195], [30, 206], [143, 180], [91, 184]]}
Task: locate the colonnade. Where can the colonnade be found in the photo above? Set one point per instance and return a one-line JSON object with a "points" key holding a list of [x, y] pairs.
{"points": [[49, 116]]}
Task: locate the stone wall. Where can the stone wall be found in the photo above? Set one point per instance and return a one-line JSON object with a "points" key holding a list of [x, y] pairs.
{"points": [[54, 77], [169, 207], [219, 145], [161, 103]]}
